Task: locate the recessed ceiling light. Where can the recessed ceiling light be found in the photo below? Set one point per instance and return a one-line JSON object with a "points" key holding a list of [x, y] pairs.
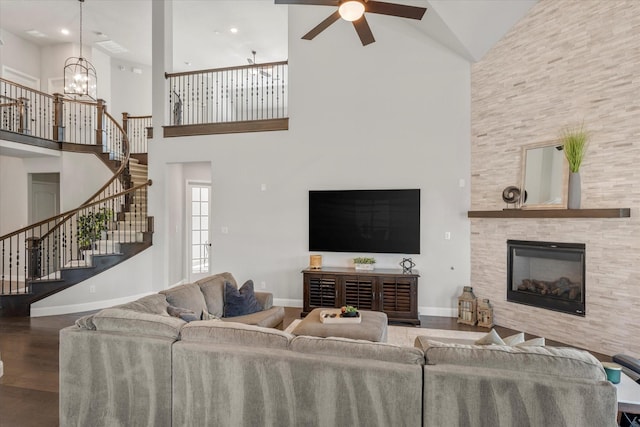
{"points": [[187, 63], [234, 30], [65, 31]]}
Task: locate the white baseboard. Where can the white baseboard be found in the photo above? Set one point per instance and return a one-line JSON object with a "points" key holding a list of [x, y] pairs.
{"points": [[438, 311], [87, 306]]}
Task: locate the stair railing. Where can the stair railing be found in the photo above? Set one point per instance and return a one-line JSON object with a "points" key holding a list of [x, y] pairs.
{"points": [[25, 110], [72, 239], [38, 251], [137, 130]]}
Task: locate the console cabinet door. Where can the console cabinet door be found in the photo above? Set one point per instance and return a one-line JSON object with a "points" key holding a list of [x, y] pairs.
{"points": [[399, 298], [320, 290], [359, 291]]}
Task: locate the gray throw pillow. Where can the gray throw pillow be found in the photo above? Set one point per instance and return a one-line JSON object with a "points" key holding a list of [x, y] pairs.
{"points": [[238, 302]]}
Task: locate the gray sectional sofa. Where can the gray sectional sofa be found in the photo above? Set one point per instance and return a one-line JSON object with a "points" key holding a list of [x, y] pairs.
{"points": [[135, 365]]}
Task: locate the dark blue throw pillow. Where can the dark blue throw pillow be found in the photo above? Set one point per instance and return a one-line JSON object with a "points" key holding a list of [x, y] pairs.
{"points": [[238, 302]]}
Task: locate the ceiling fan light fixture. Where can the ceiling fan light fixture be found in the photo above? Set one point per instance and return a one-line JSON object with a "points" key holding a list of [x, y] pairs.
{"points": [[351, 10]]}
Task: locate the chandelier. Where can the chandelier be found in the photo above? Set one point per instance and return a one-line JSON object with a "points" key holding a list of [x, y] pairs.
{"points": [[79, 74]]}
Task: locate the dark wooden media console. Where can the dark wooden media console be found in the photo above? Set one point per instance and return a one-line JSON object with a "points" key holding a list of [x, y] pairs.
{"points": [[386, 290]]}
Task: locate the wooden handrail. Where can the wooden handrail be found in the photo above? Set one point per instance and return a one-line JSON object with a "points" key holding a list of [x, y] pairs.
{"points": [[25, 88], [238, 67], [139, 117], [73, 211]]}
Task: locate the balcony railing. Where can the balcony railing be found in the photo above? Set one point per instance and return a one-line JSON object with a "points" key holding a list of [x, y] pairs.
{"points": [[137, 129], [26, 111], [243, 94]]}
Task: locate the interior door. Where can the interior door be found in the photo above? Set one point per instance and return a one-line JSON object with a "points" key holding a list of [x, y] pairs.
{"points": [[44, 202], [198, 236]]}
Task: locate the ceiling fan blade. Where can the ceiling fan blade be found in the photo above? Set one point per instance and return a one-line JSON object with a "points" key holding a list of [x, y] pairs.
{"points": [[395, 9], [364, 31], [309, 2], [322, 26]]}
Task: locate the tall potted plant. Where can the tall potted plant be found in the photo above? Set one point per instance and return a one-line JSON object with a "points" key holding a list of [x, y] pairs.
{"points": [[574, 144]]}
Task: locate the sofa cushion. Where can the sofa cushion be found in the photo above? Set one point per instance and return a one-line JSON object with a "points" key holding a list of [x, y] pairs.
{"points": [[239, 302], [86, 322], [560, 361], [182, 313], [154, 304], [216, 332], [270, 318], [212, 288], [357, 349], [186, 296], [491, 338], [137, 323]]}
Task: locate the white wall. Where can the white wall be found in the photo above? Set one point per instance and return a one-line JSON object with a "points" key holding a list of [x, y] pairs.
{"points": [[130, 92], [392, 115], [81, 176], [19, 54], [13, 199]]}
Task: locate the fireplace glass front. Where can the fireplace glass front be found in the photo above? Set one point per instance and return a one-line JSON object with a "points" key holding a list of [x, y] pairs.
{"points": [[547, 275]]}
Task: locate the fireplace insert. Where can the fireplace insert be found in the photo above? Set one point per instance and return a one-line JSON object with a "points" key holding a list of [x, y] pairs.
{"points": [[547, 275]]}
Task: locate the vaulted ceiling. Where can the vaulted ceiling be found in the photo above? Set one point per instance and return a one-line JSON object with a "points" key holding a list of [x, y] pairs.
{"points": [[202, 29]]}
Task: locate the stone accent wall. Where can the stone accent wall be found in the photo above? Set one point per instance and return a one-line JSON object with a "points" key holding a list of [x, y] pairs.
{"points": [[565, 63]]}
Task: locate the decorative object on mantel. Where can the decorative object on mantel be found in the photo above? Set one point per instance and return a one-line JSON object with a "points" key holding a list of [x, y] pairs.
{"points": [[574, 146], [511, 196], [407, 265], [467, 305], [364, 263], [315, 262], [485, 314]]}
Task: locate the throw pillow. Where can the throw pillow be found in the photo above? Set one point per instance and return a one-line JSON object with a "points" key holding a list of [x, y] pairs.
{"points": [[514, 339], [238, 302], [182, 313], [489, 339], [533, 342]]}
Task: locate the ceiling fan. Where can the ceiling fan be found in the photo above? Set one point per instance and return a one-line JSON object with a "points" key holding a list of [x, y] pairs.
{"points": [[261, 70], [353, 10]]}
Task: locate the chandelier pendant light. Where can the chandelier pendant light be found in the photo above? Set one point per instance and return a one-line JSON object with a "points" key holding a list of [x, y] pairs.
{"points": [[79, 74]]}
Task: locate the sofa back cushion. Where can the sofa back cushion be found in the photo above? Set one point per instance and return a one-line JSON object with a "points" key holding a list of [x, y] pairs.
{"points": [[218, 332], [153, 304], [357, 349], [212, 288], [186, 296], [559, 361], [137, 323]]}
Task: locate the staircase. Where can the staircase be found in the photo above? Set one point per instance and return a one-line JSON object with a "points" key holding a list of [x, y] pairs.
{"points": [[109, 228]]}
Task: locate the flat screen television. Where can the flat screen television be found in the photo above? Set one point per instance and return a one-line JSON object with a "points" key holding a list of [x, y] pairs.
{"points": [[378, 221]]}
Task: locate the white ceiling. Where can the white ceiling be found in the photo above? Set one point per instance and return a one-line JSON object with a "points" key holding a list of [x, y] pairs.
{"points": [[201, 27]]}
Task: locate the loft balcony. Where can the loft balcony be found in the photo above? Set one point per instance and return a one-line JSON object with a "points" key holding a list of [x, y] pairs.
{"points": [[250, 98]]}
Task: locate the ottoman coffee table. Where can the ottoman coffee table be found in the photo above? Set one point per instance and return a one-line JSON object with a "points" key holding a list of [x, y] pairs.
{"points": [[372, 327]]}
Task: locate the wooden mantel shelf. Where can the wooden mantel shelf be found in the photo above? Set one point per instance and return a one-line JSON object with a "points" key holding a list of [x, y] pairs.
{"points": [[553, 213]]}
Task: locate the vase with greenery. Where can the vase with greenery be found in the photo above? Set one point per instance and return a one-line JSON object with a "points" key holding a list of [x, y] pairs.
{"points": [[91, 225], [574, 145], [364, 263]]}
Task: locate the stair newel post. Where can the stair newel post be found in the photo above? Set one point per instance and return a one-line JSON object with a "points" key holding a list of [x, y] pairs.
{"points": [[100, 132], [125, 123], [58, 122]]}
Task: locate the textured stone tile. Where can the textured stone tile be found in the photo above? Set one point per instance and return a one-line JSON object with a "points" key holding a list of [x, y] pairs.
{"points": [[565, 63]]}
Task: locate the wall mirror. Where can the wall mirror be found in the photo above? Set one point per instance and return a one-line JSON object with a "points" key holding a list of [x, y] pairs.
{"points": [[545, 174]]}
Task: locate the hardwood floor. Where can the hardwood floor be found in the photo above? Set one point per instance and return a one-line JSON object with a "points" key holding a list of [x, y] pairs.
{"points": [[29, 350]]}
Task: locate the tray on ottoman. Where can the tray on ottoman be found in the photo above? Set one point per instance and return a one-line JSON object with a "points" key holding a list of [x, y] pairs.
{"points": [[335, 316]]}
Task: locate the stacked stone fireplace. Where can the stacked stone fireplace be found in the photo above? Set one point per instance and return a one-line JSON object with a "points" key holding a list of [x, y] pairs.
{"points": [[547, 275]]}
